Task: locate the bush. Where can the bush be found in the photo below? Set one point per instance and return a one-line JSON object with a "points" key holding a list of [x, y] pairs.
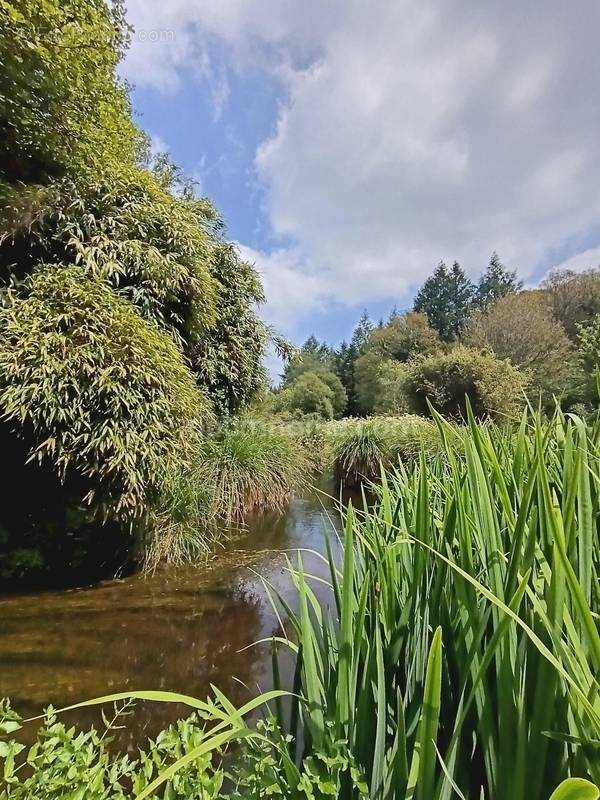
{"points": [[149, 246], [379, 371], [391, 395], [95, 390], [319, 393], [521, 329], [494, 388], [589, 357]]}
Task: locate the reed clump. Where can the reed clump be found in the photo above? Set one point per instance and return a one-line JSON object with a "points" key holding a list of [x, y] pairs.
{"points": [[361, 447], [250, 465]]}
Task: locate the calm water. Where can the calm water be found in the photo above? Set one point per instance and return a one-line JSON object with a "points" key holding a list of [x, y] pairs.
{"points": [[177, 630]]}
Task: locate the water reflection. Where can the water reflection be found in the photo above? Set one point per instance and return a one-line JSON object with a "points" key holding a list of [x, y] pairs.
{"points": [[177, 630]]}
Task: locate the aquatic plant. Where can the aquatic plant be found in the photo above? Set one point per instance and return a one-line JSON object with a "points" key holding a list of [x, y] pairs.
{"points": [[460, 656], [250, 465], [361, 447]]}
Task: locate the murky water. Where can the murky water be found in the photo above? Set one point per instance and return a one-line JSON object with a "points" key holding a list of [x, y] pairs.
{"points": [[178, 630]]}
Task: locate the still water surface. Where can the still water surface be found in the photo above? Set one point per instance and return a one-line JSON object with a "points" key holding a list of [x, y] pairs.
{"points": [[177, 630]]}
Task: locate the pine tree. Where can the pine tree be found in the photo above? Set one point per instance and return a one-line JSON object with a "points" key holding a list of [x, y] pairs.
{"points": [[446, 298], [496, 282], [346, 359]]}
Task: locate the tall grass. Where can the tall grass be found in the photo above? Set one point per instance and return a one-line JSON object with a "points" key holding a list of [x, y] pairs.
{"points": [[460, 655], [251, 465], [362, 446], [246, 465]]}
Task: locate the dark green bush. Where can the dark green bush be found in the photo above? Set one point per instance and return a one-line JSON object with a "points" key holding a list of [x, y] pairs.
{"points": [[494, 388]]}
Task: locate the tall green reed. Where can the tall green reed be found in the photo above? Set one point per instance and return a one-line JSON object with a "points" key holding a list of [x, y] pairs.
{"points": [[460, 654]]}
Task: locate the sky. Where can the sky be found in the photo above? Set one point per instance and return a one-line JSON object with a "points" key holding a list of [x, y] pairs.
{"points": [[352, 145]]}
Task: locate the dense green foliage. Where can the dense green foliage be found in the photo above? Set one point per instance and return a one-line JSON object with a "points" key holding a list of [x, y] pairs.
{"points": [[66, 326], [574, 297], [449, 380], [452, 650], [589, 355], [143, 328], [310, 384], [539, 332], [128, 230], [378, 373], [446, 298], [228, 362], [520, 328], [74, 764], [62, 108]]}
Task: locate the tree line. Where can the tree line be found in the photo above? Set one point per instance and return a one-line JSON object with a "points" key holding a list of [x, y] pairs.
{"points": [[491, 339]]}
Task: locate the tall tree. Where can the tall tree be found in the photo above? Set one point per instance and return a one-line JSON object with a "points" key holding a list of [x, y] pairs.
{"points": [[446, 299], [345, 360], [574, 297], [521, 328], [496, 282], [404, 337]]}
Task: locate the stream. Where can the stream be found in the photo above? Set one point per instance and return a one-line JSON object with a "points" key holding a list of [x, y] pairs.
{"points": [[179, 629]]}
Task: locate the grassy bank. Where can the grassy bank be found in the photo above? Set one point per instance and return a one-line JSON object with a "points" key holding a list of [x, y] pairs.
{"points": [[459, 653]]}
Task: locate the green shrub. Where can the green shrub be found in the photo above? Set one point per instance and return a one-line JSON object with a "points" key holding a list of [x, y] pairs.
{"points": [[521, 328], [67, 763], [228, 362], [588, 343], [309, 393], [126, 229], [391, 392], [493, 387], [95, 390], [311, 385], [379, 371]]}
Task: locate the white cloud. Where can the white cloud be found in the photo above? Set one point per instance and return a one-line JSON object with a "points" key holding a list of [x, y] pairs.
{"points": [[588, 259], [412, 130], [291, 289]]}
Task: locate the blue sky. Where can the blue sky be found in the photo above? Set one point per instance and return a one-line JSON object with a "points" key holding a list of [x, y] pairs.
{"points": [[351, 146]]}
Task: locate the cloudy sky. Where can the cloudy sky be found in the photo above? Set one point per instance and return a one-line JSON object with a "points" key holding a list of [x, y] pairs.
{"points": [[351, 145]]}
